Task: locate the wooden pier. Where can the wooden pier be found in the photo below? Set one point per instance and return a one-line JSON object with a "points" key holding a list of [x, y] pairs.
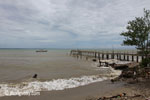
{"points": [[107, 55]]}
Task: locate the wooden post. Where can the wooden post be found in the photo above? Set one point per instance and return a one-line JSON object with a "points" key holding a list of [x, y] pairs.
{"points": [[127, 57], [86, 58], [107, 56], [117, 56], [137, 58], [124, 57], [99, 56], [95, 54], [80, 54], [120, 56], [102, 55], [112, 55], [100, 63], [132, 57], [77, 56]]}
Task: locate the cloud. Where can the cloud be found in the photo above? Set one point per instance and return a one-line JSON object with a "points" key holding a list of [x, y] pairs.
{"points": [[66, 23]]}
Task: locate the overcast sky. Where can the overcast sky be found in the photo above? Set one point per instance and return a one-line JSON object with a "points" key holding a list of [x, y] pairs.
{"points": [[66, 23]]}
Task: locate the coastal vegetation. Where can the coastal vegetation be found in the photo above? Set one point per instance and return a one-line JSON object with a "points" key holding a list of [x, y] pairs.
{"points": [[138, 35]]}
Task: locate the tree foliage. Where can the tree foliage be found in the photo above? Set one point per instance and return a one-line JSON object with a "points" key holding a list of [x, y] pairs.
{"points": [[137, 34]]}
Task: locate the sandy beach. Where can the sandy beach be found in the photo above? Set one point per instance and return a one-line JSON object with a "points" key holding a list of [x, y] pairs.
{"points": [[79, 93], [92, 92]]}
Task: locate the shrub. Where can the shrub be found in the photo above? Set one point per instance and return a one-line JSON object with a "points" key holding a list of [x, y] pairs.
{"points": [[145, 62]]}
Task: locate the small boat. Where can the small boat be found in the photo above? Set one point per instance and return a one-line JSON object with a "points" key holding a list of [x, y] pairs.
{"points": [[41, 50]]}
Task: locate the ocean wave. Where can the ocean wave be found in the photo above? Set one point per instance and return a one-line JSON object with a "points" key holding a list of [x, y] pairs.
{"points": [[34, 88]]}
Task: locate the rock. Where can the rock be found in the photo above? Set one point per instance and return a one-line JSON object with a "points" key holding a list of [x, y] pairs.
{"points": [[112, 80], [125, 66], [35, 76], [120, 66], [133, 65], [112, 64], [127, 74], [116, 97], [94, 60]]}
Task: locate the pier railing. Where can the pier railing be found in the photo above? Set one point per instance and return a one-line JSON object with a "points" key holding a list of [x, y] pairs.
{"points": [[107, 55]]}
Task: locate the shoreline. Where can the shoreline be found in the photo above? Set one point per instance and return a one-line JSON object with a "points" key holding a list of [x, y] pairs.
{"points": [[94, 91], [80, 93]]}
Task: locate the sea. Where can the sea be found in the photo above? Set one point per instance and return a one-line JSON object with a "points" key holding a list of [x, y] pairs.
{"points": [[55, 69]]}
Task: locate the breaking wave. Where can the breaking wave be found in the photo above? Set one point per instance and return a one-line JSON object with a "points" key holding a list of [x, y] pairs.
{"points": [[34, 87]]}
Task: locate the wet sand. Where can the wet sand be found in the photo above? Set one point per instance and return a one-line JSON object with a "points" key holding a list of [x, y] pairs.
{"points": [[93, 92], [80, 93]]}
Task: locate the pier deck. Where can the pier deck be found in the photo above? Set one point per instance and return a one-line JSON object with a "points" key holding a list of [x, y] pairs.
{"points": [[107, 55]]}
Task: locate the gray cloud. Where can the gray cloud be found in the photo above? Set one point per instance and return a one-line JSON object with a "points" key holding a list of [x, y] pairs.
{"points": [[66, 23]]}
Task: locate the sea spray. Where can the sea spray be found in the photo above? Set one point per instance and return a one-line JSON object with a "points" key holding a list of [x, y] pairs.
{"points": [[34, 87]]}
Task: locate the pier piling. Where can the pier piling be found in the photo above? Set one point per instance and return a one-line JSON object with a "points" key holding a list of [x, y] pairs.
{"points": [[107, 55]]}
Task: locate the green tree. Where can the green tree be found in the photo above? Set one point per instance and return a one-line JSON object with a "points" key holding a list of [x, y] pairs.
{"points": [[137, 34]]}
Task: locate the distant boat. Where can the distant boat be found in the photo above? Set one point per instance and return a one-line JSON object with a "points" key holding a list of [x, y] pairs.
{"points": [[41, 50]]}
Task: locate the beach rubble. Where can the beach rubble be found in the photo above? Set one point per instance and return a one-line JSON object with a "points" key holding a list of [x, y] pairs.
{"points": [[131, 73], [116, 64], [134, 75], [123, 96]]}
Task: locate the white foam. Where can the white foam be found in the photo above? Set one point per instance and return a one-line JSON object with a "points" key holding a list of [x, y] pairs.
{"points": [[34, 88], [109, 71], [110, 61]]}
